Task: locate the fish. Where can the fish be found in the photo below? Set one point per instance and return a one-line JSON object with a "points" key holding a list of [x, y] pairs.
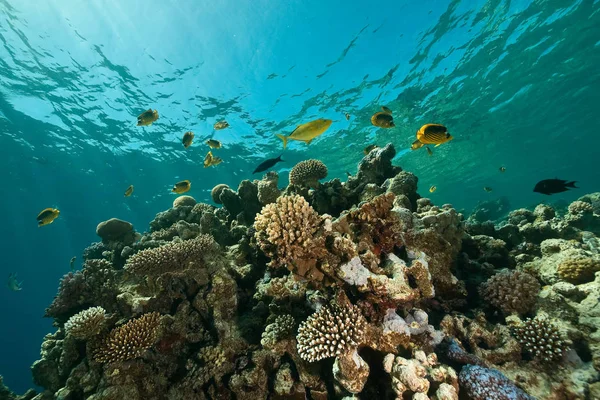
{"points": [[213, 144], [211, 160], [552, 186], [383, 119], [72, 263], [307, 132], [502, 169], [12, 282], [221, 125], [147, 117], [347, 117], [370, 148], [188, 139], [429, 151], [487, 189], [129, 191], [215, 161], [47, 216], [432, 189], [265, 165], [181, 187], [432, 134], [416, 145]]}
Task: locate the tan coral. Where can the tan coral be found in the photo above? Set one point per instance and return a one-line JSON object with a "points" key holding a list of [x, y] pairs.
{"points": [[578, 269], [308, 173], [511, 291], [129, 341], [87, 323]]}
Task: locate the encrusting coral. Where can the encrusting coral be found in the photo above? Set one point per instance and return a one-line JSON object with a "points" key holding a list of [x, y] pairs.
{"points": [[511, 292], [87, 323], [129, 341], [308, 173]]}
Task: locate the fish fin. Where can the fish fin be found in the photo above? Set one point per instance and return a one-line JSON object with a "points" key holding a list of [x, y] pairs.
{"points": [[308, 141], [284, 138], [437, 145], [571, 184], [279, 158]]}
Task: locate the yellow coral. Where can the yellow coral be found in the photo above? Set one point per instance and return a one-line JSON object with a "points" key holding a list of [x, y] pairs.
{"points": [[578, 269]]}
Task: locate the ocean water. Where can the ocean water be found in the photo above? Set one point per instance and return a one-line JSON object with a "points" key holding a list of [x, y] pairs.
{"points": [[516, 82]]}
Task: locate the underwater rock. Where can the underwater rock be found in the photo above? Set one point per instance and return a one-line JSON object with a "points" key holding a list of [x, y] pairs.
{"points": [[490, 210], [216, 192], [116, 230], [187, 201], [404, 184], [375, 167], [268, 191], [165, 219], [351, 371]]}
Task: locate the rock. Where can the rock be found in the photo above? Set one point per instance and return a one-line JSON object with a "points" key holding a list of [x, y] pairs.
{"points": [[184, 201], [116, 230], [215, 193]]}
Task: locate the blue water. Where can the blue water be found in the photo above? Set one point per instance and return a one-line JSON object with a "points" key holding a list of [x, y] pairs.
{"points": [[516, 82]]}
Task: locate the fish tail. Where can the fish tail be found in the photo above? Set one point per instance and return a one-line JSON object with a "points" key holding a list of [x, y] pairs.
{"points": [[284, 138], [571, 184], [279, 158]]}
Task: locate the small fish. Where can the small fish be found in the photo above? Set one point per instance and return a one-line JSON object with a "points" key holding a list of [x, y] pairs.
{"points": [[47, 216], [347, 117], [383, 119], [72, 263], [432, 189], [129, 191], [215, 161], [502, 169], [265, 165], [181, 187], [213, 144], [147, 117], [12, 282], [370, 148], [221, 125], [211, 160], [433, 134], [487, 189], [552, 186], [307, 132], [188, 139], [429, 151]]}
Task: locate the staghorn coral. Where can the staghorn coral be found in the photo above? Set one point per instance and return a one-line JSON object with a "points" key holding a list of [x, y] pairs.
{"points": [[172, 257], [308, 173], [511, 292], [87, 323], [541, 339], [331, 331], [422, 375], [482, 383], [128, 341]]}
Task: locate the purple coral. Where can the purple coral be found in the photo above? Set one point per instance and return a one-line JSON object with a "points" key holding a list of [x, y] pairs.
{"points": [[481, 383]]}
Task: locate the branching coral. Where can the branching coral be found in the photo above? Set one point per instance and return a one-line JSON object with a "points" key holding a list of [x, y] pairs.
{"points": [[129, 341], [331, 331], [541, 338], [307, 173], [172, 257], [87, 323], [511, 292], [279, 329]]}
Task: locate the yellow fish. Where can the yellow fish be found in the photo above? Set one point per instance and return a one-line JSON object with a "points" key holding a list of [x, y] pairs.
{"points": [[370, 148], [432, 134], [215, 161], [129, 191], [383, 119], [188, 138], [211, 160], [502, 169], [487, 189], [429, 150], [47, 216], [416, 145], [307, 132], [432, 189], [221, 125], [147, 117], [213, 144], [181, 187]]}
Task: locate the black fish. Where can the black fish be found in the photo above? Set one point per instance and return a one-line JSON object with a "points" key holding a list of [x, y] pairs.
{"points": [[552, 186], [265, 165]]}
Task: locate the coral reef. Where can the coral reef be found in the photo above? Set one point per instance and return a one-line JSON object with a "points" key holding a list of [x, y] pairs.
{"points": [[331, 290]]}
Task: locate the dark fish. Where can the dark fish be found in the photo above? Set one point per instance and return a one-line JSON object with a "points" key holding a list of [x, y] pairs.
{"points": [[265, 165], [552, 186]]}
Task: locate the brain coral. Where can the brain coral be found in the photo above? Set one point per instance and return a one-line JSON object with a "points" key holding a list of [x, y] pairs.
{"points": [[87, 323], [129, 341], [541, 338], [285, 230], [331, 331], [511, 291], [171, 257], [308, 173]]}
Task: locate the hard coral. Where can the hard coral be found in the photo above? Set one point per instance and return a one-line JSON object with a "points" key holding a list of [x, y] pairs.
{"points": [[511, 292], [129, 341], [172, 257], [331, 331], [215, 193], [541, 338], [578, 269], [184, 201], [307, 173], [87, 323], [489, 384]]}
